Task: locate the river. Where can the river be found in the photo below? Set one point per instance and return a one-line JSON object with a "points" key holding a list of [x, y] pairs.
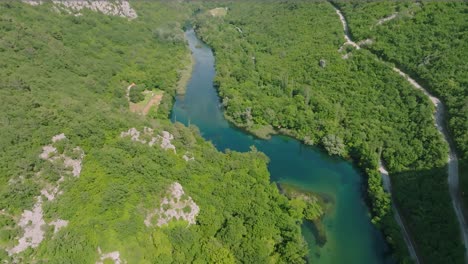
{"points": [[351, 238]]}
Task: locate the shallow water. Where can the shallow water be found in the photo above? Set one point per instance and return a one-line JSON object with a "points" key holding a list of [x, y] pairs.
{"points": [[351, 238]]}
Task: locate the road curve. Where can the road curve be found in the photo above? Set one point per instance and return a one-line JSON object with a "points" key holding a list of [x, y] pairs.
{"points": [[439, 116], [454, 188]]}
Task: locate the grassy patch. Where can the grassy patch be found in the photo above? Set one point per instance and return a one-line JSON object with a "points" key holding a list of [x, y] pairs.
{"points": [[263, 132], [151, 101], [218, 12]]}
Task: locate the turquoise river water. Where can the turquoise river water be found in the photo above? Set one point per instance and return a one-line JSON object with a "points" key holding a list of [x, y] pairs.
{"points": [[351, 238]]}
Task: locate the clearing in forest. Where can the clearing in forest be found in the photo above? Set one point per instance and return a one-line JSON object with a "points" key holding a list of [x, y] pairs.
{"points": [[152, 98], [218, 12]]}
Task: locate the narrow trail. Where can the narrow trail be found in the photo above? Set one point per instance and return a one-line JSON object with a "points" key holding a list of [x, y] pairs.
{"points": [[155, 101], [453, 177], [387, 185]]}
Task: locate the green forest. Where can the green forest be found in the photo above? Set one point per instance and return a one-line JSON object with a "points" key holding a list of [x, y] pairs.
{"points": [[68, 74], [428, 40], [279, 69]]}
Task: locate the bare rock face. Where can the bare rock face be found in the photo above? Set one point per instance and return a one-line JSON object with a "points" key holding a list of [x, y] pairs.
{"points": [[175, 206], [365, 42], [58, 224], [188, 157], [323, 63], [32, 221], [113, 256], [166, 139], [33, 2], [113, 8], [147, 137], [50, 154]]}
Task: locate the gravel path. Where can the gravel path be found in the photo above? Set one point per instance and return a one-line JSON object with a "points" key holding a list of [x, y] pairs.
{"points": [[387, 184]]}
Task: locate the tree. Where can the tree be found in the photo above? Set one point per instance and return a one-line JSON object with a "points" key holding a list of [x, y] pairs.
{"points": [[334, 145]]}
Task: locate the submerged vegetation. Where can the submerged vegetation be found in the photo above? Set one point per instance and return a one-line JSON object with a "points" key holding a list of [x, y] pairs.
{"points": [[282, 64], [308, 206]]}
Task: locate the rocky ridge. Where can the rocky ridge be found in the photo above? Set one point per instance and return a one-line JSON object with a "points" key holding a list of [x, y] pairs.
{"points": [[113, 8]]}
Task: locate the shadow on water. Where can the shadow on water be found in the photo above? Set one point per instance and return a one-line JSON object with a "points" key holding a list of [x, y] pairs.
{"points": [[350, 236]]}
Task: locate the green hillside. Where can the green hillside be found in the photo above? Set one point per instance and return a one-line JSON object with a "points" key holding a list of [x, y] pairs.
{"points": [[69, 74]]}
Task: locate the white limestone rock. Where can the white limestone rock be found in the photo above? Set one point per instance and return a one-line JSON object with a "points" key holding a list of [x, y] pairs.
{"points": [[176, 206]]}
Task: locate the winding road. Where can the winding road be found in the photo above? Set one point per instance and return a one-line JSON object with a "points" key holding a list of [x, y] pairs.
{"points": [[439, 120], [387, 185]]}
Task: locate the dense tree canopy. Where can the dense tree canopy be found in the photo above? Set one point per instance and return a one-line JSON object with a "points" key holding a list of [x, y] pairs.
{"points": [[428, 40], [279, 65]]}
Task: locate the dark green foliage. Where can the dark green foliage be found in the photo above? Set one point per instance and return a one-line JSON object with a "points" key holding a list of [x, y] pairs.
{"points": [[268, 73], [136, 93], [417, 208], [428, 40]]}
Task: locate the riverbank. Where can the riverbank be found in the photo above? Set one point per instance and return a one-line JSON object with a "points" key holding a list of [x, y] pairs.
{"points": [[185, 74]]}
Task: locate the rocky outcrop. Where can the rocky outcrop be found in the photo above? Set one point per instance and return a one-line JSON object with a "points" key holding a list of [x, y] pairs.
{"points": [[385, 19], [146, 137], [166, 139], [365, 42], [323, 63], [32, 221], [218, 11], [188, 157], [72, 166], [175, 206], [113, 256], [58, 224], [112, 8]]}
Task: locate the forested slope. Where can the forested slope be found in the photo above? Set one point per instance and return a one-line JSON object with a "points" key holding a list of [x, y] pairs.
{"points": [[428, 39], [91, 193], [278, 66]]}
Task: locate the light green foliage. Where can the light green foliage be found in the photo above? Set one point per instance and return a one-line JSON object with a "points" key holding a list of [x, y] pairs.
{"points": [[268, 62], [66, 74], [334, 145]]}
